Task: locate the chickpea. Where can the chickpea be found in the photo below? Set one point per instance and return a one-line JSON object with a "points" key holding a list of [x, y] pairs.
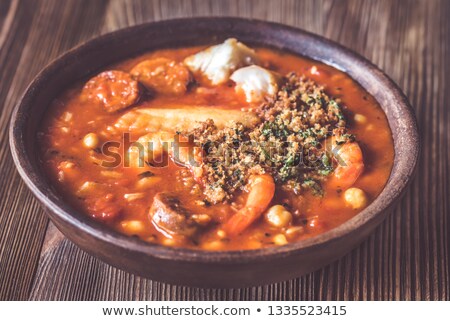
{"points": [[133, 227], [294, 231], [355, 197], [90, 141], [360, 119], [314, 70], [280, 239], [169, 242], [278, 216], [213, 245], [66, 165], [202, 219], [222, 234]]}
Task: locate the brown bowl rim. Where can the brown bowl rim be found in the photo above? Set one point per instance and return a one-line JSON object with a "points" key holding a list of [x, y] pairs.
{"points": [[391, 193]]}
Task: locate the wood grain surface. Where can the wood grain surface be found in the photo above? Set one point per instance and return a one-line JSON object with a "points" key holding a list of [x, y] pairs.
{"points": [[407, 258]]}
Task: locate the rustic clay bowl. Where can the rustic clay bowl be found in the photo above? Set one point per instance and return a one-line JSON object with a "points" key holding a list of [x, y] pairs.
{"points": [[191, 267]]}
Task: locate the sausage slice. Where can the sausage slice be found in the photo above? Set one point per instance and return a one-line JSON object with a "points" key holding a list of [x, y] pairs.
{"points": [[169, 216], [113, 89], [163, 76]]}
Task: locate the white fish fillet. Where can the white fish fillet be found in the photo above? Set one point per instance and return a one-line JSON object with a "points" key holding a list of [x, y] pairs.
{"points": [[256, 82], [218, 62], [146, 120]]}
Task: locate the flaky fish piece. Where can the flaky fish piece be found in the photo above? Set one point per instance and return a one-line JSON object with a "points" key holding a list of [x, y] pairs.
{"points": [[218, 62], [180, 118], [256, 83]]}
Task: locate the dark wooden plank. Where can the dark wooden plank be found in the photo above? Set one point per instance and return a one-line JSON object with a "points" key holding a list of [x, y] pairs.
{"points": [[406, 258], [38, 32], [15, 24]]}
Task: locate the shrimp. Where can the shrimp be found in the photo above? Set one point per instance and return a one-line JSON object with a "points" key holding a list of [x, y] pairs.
{"points": [[262, 189], [350, 164]]}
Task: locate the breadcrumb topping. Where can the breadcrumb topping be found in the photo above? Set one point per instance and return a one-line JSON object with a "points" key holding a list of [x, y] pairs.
{"points": [[288, 143]]}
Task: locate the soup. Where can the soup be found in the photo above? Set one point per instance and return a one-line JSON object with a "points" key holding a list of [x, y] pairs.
{"points": [[219, 148]]}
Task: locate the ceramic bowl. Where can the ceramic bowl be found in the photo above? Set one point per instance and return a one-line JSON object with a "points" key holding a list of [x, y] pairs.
{"points": [[195, 267]]}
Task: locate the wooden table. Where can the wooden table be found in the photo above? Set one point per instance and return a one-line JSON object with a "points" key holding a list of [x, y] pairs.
{"points": [[406, 258]]}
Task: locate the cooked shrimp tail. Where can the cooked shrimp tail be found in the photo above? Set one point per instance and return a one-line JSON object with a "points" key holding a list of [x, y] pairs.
{"points": [[261, 191], [350, 165]]}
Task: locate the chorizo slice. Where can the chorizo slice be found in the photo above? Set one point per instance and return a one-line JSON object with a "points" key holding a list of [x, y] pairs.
{"points": [[114, 90], [170, 217], [163, 76]]}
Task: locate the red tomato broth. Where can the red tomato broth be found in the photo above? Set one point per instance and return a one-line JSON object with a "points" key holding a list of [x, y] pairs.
{"points": [[61, 140]]}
